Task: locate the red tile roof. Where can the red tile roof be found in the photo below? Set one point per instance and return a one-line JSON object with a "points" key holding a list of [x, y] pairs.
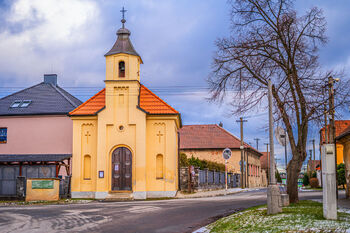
{"points": [[340, 127], [152, 104], [264, 160], [344, 133], [208, 137], [149, 102]]}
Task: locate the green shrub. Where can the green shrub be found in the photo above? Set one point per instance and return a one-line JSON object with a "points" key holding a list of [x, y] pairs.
{"points": [[278, 177], [306, 179], [202, 164], [341, 174], [314, 174], [183, 160]]}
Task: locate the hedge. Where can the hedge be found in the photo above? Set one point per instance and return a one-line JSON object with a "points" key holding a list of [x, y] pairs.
{"points": [[201, 163]]}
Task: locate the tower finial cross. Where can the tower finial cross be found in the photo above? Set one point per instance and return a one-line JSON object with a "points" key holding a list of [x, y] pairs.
{"points": [[123, 16], [123, 12]]}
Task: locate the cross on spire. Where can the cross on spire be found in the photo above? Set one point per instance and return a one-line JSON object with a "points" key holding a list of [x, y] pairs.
{"points": [[123, 16]]}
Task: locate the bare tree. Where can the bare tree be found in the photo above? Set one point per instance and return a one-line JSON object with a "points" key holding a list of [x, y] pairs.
{"points": [[270, 41]]}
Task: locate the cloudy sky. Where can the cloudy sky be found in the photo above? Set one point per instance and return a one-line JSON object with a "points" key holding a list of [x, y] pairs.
{"points": [[174, 38]]}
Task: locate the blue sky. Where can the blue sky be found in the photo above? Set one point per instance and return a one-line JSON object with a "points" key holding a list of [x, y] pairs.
{"points": [[174, 38]]}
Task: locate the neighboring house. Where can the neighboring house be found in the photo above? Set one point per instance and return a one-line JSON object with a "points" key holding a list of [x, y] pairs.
{"points": [[344, 140], [35, 133], [340, 126], [313, 165], [208, 141], [265, 161], [125, 140]]}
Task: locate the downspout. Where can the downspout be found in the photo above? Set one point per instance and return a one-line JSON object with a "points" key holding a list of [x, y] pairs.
{"points": [[178, 161]]}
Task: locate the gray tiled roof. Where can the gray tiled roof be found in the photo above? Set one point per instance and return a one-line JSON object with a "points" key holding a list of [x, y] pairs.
{"points": [[34, 157], [46, 99]]}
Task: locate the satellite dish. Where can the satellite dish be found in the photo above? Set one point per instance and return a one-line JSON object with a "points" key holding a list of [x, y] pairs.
{"points": [[280, 134]]}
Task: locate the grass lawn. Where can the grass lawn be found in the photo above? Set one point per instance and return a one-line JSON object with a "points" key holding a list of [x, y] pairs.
{"points": [[306, 216]]}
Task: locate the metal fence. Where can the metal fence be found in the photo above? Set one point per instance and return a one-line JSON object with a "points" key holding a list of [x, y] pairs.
{"points": [[214, 178]]}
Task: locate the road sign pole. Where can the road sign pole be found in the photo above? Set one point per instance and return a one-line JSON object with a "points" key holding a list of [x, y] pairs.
{"points": [[226, 154], [226, 174]]}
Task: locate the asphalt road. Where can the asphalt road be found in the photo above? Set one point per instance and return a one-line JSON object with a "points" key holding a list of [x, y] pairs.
{"points": [[177, 215]]}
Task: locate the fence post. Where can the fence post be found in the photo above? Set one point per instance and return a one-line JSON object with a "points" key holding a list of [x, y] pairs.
{"points": [[207, 176], [20, 187]]}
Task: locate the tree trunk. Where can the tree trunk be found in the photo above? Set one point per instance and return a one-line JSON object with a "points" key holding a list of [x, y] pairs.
{"points": [[293, 171]]}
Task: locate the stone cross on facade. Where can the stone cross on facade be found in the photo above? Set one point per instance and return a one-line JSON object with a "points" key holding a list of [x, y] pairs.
{"points": [[87, 136], [159, 135]]}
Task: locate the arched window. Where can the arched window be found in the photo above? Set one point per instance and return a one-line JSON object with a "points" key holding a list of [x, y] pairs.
{"points": [[159, 167], [87, 167], [122, 69]]}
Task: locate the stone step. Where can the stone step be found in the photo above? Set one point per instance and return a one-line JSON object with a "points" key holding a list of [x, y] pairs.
{"points": [[119, 196]]}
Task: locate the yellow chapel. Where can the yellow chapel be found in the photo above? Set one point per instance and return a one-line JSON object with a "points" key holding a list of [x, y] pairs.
{"points": [[125, 138]]}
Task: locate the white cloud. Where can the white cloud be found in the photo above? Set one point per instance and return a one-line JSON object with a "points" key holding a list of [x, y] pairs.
{"points": [[49, 34]]}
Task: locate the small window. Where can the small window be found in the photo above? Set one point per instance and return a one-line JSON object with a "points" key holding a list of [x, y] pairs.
{"points": [[25, 103], [3, 135], [87, 167], [121, 69], [159, 167], [16, 104]]}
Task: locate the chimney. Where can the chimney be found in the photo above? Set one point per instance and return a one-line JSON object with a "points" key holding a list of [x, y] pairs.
{"points": [[50, 79]]}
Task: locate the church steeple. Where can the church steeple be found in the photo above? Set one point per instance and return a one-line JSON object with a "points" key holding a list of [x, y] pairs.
{"points": [[123, 43], [122, 61]]}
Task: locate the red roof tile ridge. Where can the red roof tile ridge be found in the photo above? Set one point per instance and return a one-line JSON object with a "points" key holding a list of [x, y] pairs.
{"points": [[150, 92], [200, 125], [89, 100], [246, 144]]}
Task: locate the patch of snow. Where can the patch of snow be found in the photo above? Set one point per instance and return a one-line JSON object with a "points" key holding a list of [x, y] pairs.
{"points": [[202, 230]]}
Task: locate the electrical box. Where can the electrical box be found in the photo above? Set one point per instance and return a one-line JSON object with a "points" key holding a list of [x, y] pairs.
{"points": [[329, 182]]}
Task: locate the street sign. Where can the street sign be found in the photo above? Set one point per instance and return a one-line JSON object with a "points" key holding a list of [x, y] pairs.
{"points": [[226, 154]]}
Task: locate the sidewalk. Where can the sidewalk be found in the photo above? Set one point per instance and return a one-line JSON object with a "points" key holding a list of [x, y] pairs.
{"points": [[213, 193]]}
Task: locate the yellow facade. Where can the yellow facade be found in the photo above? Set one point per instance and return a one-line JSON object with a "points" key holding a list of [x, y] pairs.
{"points": [[151, 139], [42, 194], [340, 157]]}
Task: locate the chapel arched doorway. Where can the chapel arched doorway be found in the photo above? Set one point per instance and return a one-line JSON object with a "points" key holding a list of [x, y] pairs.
{"points": [[121, 169]]}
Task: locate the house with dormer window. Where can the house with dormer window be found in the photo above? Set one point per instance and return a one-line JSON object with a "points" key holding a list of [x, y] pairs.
{"points": [[35, 133]]}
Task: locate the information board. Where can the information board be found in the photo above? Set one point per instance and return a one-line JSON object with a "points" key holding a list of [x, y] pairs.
{"points": [[42, 184]]}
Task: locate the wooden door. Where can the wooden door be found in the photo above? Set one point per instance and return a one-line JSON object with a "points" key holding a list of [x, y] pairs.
{"points": [[121, 169]]}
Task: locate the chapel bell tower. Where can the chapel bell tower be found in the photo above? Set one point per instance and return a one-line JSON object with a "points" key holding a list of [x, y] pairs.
{"points": [[122, 61]]}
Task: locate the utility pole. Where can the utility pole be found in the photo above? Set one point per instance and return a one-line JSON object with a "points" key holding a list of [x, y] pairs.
{"points": [[268, 162], [273, 192], [325, 125], [331, 110], [329, 160], [313, 147], [332, 124], [310, 151], [243, 178], [257, 143]]}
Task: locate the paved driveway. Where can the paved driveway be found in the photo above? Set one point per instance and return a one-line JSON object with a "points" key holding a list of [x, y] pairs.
{"points": [[179, 215]]}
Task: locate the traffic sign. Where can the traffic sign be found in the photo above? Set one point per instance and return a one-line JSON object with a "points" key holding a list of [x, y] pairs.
{"points": [[226, 154]]}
